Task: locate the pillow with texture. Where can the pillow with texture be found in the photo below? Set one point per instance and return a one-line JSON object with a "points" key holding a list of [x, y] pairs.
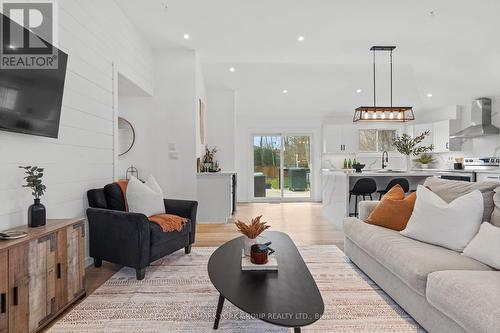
{"points": [[451, 225], [449, 190], [145, 198], [394, 210], [485, 247]]}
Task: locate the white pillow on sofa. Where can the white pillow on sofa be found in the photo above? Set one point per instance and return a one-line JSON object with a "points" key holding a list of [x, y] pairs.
{"points": [[485, 247], [145, 198], [450, 225]]}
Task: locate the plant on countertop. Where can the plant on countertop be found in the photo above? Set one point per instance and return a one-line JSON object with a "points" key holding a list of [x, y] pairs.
{"points": [[407, 145], [424, 159], [33, 179], [253, 229]]}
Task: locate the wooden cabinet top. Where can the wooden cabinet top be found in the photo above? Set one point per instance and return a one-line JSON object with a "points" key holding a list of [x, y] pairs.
{"points": [[35, 233]]}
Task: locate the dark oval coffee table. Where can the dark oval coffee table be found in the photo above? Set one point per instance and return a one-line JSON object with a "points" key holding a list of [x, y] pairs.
{"points": [[288, 297]]}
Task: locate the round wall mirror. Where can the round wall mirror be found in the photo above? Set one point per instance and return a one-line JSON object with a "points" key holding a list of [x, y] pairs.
{"points": [[126, 136]]}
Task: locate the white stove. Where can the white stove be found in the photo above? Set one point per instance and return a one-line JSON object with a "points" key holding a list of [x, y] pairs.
{"points": [[481, 163], [476, 169]]}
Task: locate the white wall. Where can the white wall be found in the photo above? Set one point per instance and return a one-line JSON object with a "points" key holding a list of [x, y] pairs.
{"points": [[169, 117], [245, 126], [221, 126], [95, 34]]}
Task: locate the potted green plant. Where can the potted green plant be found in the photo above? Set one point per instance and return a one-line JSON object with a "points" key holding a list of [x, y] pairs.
{"points": [[424, 160], [406, 145], [36, 212]]}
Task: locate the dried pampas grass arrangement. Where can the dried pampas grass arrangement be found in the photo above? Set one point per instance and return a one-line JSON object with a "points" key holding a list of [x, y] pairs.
{"points": [[253, 229]]}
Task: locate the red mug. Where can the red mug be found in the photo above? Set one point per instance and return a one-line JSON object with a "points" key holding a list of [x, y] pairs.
{"points": [[259, 253]]}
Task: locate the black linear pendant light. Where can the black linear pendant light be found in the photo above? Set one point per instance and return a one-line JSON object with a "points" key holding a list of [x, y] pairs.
{"points": [[383, 113]]}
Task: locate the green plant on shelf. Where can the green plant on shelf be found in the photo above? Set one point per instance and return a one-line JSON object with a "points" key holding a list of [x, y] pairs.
{"points": [[424, 159]]}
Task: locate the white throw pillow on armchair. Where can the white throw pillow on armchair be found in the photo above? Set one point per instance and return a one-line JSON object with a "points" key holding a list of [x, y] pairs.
{"points": [[145, 198], [450, 225]]}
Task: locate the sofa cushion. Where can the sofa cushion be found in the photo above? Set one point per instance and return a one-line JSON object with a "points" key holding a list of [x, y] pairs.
{"points": [[449, 190], [406, 258], [472, 299], [495, 216], [451, 225], [394, 210]]}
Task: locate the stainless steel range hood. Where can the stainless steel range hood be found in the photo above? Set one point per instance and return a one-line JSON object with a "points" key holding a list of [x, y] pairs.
{"points": [[480, 121]]}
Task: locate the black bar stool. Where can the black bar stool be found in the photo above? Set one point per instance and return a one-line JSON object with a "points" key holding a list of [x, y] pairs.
{"points": [[362, 188], [396, 181]]}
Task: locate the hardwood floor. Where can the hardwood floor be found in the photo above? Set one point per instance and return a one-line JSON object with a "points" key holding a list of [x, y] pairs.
{"points": [[303, 222]]}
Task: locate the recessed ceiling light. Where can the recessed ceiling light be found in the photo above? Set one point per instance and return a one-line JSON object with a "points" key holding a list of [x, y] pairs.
{"points": [[186, 36], [300, 38], [285, 91], [232, 69], [12, 47], [429, 95], [359, 91]]}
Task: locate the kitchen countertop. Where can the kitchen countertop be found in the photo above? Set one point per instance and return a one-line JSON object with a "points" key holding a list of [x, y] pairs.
{"points": [[373, 173]]}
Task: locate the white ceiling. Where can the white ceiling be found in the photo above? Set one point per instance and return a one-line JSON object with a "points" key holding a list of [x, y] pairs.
{"points": [[452, 53]]}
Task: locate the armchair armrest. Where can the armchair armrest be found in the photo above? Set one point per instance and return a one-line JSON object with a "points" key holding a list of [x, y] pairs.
{"points": [[119, 237], [183, 208], [365, 209]]}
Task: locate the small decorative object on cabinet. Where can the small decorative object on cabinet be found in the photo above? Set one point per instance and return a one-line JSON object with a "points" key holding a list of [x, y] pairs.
{"points": [[41, 274], [209, 162], [407, 146], [36, 212], [251, 231]]}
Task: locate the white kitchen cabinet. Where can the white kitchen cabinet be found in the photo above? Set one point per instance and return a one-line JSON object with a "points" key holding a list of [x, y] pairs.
{"points": [[216, 197], [340, 139], [441, 136], [483, 177]]}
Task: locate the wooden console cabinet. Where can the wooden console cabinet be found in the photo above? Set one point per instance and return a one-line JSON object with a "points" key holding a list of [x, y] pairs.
{"points": [[41, 274]]}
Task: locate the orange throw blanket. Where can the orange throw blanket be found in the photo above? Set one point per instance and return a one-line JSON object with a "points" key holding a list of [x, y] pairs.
{"points": [[167, 222]]}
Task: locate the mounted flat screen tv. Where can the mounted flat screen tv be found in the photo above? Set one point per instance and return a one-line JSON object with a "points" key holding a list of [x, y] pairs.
{"points": [[31, 99]]}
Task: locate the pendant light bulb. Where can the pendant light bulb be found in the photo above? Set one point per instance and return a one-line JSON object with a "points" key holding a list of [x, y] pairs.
{"points": [[400, 115], [366, 115], [391, 115], [374, 115], [382, 116]]}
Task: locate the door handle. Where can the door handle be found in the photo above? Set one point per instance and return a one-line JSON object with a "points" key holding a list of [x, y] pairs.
{"points": [[3, 303], [16, 296], [58, 270], [446, 145]]}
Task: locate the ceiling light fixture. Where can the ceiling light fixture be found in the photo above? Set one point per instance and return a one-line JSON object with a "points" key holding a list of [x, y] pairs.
{"points": [[285, 91], [429, 95], [359, 91], [300, 38], [232, 69], [186, 36], [404, 113]]}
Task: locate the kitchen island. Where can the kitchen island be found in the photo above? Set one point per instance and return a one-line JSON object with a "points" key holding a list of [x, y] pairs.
{"points": [[336, 185]]}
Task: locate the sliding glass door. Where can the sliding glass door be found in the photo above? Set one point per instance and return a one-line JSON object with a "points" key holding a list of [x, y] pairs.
{"points": [[282, 167]]}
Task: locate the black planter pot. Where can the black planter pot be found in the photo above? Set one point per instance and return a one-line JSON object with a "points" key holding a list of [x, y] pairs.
{"points": [[36, 214]]}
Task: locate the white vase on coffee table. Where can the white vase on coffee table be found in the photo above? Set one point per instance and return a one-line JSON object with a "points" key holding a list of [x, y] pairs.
{"points": [[248, 242]]}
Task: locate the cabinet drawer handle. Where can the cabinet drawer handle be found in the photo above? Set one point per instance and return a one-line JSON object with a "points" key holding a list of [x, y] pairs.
{"points": [[16, 296], [3, 303], [59, 270]]}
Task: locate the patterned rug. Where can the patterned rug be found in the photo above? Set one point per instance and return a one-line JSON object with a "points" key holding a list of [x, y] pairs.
{"points": [[177, 296]]}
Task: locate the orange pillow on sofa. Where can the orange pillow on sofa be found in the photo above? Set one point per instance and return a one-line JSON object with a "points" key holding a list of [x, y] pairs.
{"points": [[394, 210]]}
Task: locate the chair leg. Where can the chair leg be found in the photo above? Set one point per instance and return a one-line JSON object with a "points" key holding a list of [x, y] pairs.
{"points": [[371, 197], [356, 207], [97, 262], [140, 273], [380, 196], [187, 249]]}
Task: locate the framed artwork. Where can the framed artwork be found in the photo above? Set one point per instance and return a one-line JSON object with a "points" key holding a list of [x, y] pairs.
{"points": [[202, 122]]}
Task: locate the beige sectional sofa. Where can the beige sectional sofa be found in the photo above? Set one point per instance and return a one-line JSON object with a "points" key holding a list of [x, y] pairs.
{"points": [[443, 290]]}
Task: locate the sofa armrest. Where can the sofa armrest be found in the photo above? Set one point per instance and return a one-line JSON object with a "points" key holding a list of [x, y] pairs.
{"points": [[365, 209], [184, 208], [119, 237]]}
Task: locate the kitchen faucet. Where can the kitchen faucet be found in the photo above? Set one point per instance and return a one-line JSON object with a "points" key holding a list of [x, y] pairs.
{"points": [[386, 155]]}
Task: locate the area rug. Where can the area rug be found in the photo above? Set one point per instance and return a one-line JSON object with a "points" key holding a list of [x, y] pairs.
{"points": [[177, 296]]}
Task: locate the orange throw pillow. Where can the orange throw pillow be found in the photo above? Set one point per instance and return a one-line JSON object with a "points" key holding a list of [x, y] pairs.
{"points": [[394, 210]]}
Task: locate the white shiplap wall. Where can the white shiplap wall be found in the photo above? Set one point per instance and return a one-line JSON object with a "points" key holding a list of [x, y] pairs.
{"points": [[97, 36]]}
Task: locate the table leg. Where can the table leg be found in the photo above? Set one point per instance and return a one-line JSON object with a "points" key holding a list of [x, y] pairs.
{"points": [[219, 311], [296, 330]]}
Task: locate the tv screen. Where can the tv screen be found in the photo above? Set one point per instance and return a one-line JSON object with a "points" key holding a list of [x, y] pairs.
{"points": [[31, 99]]}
